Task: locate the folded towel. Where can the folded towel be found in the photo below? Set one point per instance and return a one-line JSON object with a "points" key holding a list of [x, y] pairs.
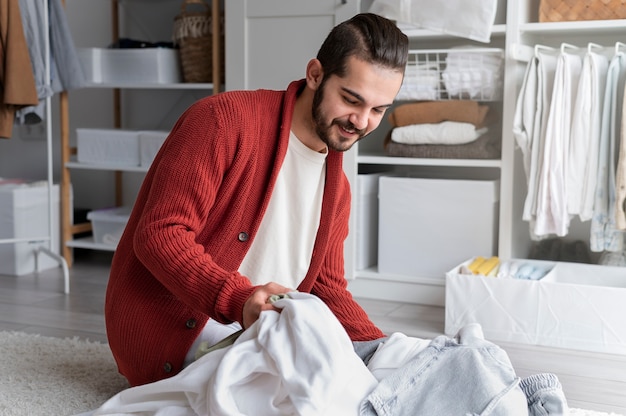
{"points": [[473, 74], [421, 82], [446, 132], [467, 111]]}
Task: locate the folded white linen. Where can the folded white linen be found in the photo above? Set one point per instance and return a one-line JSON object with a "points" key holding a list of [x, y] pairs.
{"points": [[474, 74], [477, 20], [297, 362], [421, 82], [446, 132]]}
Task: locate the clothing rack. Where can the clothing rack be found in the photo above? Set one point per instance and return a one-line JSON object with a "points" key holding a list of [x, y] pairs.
{"points": [[525, 53], [578, 163], [41, 249]]}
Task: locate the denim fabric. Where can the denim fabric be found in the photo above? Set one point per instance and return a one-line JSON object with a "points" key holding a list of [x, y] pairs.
{"points": [[465, 375], [366, 349], [545, 395]]}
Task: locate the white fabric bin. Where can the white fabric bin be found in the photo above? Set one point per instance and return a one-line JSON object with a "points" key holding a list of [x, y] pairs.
{"points": [[426, 226], [108, 146], [24, 214], [367, 220], [131, 66], [575, 306], [150, 143]]}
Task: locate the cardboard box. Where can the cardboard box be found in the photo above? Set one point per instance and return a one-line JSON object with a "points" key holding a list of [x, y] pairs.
{"points": [[427, 226], [367, 220], [131, 66], [108, 146], [24, 214], [108, 224], [575, 306]]}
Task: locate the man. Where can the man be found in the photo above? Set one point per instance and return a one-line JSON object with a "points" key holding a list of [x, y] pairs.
{"points": [[246, 199]]}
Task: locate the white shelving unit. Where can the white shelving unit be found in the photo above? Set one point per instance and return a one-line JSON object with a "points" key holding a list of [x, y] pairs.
{"points": [[120, 102], [250, 27]]}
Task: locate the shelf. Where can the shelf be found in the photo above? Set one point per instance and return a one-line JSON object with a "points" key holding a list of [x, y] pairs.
{"points": [[372, 273], [411, 161], [578, 28], [414, 33], [156, 86], [89, 243], [105, 166]]}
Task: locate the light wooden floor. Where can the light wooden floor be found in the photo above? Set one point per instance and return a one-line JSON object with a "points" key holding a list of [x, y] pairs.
{"points": [[35, 303]]}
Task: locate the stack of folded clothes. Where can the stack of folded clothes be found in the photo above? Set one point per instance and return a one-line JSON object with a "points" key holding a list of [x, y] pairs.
{"points": [[454, 129]]}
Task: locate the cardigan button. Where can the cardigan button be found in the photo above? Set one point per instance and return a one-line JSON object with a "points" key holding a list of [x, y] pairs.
{"points": [[167, 367], [243, 236], [191, 323]]}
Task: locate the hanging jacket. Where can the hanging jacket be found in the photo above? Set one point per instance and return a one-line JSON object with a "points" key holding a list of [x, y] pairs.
{"points": [[17, 84]]}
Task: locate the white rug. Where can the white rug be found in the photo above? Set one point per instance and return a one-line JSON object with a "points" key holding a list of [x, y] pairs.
{"points": [[63, 377], [53, 376]]}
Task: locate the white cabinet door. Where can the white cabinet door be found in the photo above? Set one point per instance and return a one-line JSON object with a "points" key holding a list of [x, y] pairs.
{"points": [[269, 42]]}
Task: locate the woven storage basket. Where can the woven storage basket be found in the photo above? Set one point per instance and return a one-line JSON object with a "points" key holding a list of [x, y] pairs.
{"points": [[568, 10], [193, 33]]}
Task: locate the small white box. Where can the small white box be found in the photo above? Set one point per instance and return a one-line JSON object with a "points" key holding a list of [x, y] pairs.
{"points": [[24, 214], [131, 65], [575, 306], [149, 144], [108, 146], [108, 224], [367, 220], [426, 226]]}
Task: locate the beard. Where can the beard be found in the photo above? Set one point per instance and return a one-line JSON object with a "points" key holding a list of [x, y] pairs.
{"points": [[324, 129]]}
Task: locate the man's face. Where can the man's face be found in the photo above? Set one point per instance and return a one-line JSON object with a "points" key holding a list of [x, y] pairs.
{"points": [[347, 109]]}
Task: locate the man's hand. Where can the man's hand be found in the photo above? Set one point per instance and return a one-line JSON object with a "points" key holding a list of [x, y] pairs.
{"points": [[258, 302]]}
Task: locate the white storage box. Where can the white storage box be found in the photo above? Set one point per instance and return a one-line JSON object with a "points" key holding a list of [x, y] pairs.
{"points": [[108, 224], [108, 146], [575, 306], [24, 214], [427, 226], [130, 66], [149, 144], [367, 220]]}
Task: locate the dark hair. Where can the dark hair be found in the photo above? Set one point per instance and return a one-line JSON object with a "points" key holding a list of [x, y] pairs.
{"points": [[370, 38]]}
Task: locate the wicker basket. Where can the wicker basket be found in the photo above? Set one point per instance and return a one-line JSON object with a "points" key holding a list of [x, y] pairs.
{"points": [[568, 10], [193, 34]]}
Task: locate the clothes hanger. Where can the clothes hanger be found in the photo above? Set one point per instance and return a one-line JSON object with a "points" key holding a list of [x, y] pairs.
{"points": [[539, 47], [568, 46], [592, 45]]}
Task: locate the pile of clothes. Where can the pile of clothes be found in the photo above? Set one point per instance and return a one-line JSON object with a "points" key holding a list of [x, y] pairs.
{"points": [[452, 129]]}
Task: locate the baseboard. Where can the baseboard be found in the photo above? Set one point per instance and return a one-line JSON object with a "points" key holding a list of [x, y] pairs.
{"points": [[423, 292]]}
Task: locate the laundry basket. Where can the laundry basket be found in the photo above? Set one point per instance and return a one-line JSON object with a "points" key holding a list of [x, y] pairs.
{"points": [[569, 10], [193, 33]]}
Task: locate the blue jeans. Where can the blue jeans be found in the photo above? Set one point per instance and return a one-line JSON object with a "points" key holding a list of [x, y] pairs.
{"points": [[465, 375]]}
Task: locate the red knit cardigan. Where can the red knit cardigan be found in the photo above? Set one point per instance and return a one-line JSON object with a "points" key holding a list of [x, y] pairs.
{"points": [[194, 219]]}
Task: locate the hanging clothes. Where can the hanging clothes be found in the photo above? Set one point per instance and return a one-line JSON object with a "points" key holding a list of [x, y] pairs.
{"points": [[620, 174], [545, 64], [65, 69], [552, 216], [604, 233], [584, 146], [17, 85]]}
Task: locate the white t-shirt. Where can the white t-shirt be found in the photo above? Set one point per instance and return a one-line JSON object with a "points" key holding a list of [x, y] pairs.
{"points": [[281, 251]]}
